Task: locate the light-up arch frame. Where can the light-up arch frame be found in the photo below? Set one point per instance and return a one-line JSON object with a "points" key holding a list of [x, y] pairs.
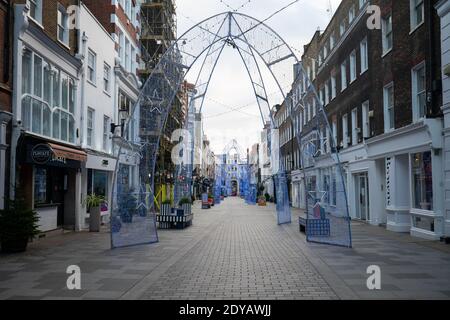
{"points": [[152, 108]]}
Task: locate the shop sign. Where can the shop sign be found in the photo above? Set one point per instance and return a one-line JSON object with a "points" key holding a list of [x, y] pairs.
{"points": [[41, 154]]}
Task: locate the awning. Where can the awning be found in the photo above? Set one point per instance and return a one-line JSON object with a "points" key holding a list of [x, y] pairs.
{"points": [[68, 153]]}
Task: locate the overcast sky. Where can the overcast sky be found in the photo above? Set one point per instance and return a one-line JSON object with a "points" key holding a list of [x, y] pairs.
{"points": [[230, 86]]}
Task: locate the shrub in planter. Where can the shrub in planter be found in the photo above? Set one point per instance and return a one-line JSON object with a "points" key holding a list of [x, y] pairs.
{"points": [[267, 197], [18, 225], [95, 203], [166, 207], [211, 199], [186, 204]]}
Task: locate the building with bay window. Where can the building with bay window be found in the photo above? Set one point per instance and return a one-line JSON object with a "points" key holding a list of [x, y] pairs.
{"points": [[46, 156]]}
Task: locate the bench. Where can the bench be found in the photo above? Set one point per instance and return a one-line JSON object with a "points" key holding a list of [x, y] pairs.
{"points": [[172, 221]]}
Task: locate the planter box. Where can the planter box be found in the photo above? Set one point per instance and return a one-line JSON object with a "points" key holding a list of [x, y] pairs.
{"points": [[165, 209], [187, 208], [95, 217]]}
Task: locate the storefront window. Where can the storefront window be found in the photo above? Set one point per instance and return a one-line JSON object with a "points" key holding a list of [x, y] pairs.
{"points": [[40, 186], [425, 223], [98, 183], [422, 181], [326, 188], [333, 188]]}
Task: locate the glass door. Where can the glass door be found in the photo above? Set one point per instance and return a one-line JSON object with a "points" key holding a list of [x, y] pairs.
{"points": [[362, 197]]}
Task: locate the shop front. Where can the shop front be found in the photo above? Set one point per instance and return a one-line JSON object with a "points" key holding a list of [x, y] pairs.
{"points": [[413, 160], [50, 180], [97, 177]]}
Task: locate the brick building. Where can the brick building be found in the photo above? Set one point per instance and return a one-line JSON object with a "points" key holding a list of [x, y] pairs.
{"points": [[381, 91], [5, 95], [46, 155]]}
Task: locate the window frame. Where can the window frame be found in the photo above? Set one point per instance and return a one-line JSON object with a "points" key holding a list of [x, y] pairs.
{"points": [[387, 108], [417, 116], [64, 25], [364, 54], [387, 47], [92, 70]]}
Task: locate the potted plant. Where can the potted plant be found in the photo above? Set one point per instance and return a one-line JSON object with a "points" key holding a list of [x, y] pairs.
{"points": [[166, 207], [94, 204], [262, 201], [211, 199], [18, 225], [186, 205], [267, 197]]}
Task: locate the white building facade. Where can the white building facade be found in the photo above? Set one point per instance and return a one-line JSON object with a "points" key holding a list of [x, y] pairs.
{"points": [[98, 110], [443, 9]]}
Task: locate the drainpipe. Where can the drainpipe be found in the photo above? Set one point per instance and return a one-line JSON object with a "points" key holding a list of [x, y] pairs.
{"points": [[20, 25]]}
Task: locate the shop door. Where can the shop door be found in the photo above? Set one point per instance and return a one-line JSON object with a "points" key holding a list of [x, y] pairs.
{"points": [[57, 178], [362, 196]]}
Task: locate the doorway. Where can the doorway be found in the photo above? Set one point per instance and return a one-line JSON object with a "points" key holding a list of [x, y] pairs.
{"points": [[362, 196], [234, 188]]}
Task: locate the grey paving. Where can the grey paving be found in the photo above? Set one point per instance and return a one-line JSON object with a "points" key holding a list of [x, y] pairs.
{"points": [[232, 251]]}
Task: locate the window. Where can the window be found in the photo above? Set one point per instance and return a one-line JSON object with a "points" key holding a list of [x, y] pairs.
{"points": [[98, 183], [345, 131], [343, 76], [314, 108], [353, 66], [332, 42], [388, 97], [63, 28], [327, 92], [106, 77], [92, 65], [48, 99], [364, 56], [35, 10], [133, 57], [128, 8], [366, 119], [105, 133], [121, 45], [333, 87], [40, 186], [342, 28], [334, 128], [417, 13], [422, 177], [362, 3], [387, 34], [351, 14], [90, 127], [127, 55], [419, 92], [355, 129], [333, 187]]}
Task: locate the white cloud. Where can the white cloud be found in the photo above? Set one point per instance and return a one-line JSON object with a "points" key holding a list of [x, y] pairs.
{"points": [[230, 84]]}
